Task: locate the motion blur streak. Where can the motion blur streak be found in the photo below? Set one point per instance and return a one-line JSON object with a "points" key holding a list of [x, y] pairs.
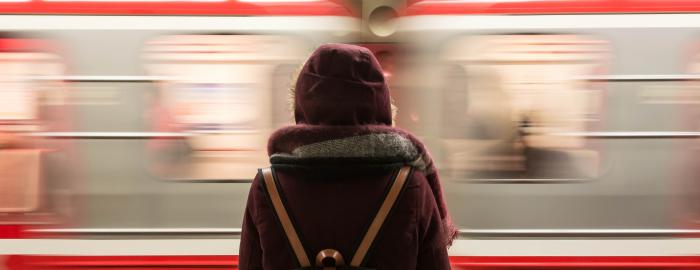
{"points": [[565, 134]]}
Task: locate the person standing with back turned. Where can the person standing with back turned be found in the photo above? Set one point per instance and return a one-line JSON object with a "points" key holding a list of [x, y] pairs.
{"points": [[346, 190]]}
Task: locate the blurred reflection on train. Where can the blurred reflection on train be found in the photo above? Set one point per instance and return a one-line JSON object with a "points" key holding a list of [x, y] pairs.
{"points": [[171, 110], [592, 108]]}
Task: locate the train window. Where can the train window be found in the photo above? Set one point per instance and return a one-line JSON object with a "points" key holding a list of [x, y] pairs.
{"points": [[30, 101], [21, 87], [18, 102], [519, 104], [216, 88]]}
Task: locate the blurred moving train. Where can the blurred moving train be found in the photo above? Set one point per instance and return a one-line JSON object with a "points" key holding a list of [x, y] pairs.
{"points": [[564, 130]]}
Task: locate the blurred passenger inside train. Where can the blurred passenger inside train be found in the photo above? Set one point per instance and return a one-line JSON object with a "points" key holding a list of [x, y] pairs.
{"points": [[345, 186]]}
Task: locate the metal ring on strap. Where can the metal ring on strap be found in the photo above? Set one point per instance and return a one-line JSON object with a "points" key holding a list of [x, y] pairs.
{"points": [[329, 259]]}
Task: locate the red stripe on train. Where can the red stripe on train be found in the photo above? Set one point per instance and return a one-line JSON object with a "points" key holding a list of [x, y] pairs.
{"points": [[11, 231], [25, 262]]}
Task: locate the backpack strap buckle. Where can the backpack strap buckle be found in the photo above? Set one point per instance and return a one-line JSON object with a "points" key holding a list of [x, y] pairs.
{"points": [[329, 259]]}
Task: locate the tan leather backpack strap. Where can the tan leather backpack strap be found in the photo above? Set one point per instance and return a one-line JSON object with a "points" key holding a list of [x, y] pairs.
{"points": [[284, 218], [379, 219]]}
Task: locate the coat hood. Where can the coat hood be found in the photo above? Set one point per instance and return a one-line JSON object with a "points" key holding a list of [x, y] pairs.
{"points": [[342, 84]]}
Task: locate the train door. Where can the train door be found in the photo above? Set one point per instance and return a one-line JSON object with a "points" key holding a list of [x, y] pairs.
{"points": [[216, 89], [688, 98], [391, 57]]}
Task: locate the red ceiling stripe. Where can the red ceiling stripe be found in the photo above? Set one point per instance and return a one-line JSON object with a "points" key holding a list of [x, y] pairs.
{"points": [[441, 7], [225, 8]]}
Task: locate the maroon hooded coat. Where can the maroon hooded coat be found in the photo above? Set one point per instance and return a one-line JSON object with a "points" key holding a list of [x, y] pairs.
{"points": [[334, 168]]}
